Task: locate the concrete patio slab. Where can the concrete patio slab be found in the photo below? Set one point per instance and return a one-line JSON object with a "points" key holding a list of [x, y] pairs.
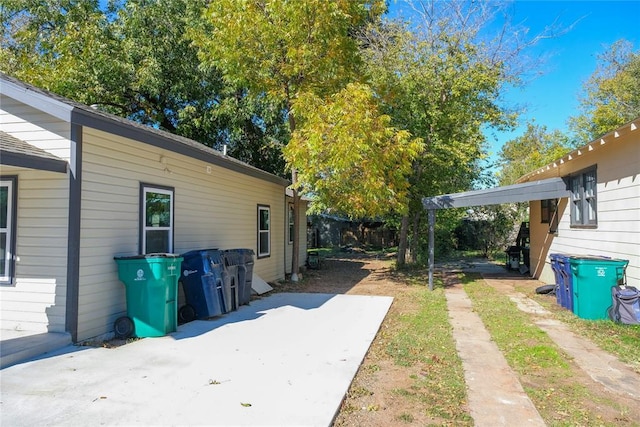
{"points": [[285, 360]]}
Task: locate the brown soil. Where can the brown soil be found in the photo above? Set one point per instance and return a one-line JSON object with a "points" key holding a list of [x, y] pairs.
{"points": [[373, 398]]}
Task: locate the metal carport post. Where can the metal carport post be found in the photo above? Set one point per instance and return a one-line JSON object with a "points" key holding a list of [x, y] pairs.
{"points": [[551, 188]]}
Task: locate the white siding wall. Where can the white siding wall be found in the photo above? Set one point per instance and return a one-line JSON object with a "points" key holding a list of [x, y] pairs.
{"points": [[35, 127], [214, 208], [618, 204], [36, 302]]}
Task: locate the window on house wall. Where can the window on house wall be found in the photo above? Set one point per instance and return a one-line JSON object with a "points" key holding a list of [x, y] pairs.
{"points": [[156, 219], [291, 217], [264, 231], [7, 228], [583, 199], [549, 214]]}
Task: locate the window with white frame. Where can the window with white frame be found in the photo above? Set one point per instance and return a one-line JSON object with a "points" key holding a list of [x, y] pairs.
{"points": [[156, 213], [584, 212], [7, 228], [264, 231]]}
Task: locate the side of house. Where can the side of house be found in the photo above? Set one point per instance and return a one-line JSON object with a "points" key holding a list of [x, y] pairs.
{"points": [[602, 215], [35, 188], [207, 207], [126, 189]]}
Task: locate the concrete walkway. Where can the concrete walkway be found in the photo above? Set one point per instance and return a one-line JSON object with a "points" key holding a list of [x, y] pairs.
{"points": [[601, 366], [496, 397], [285, 360]]}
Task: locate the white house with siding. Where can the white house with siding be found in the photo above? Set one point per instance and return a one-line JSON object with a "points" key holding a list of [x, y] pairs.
{"points": [[75, 183], [586, 203], [601, 215]]}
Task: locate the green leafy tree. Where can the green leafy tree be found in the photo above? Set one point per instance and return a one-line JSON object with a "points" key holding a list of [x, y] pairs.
{"points": [[134, 60], [537, 147], [344, 152], [611, 95], [301, 53], [440, 85]]}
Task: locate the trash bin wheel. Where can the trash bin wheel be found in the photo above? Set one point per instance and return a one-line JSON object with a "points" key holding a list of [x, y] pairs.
{"points": [[546, 289], [186, 314], [123, 327]]}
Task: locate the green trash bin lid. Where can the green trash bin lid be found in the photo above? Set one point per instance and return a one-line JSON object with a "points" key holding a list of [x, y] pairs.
{"points": [[147, 256]]}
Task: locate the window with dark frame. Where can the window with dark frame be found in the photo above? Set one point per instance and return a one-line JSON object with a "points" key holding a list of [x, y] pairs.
{"points": [[7, 228], [156, 219], [291, 222], [264, 231], [584, 212]]}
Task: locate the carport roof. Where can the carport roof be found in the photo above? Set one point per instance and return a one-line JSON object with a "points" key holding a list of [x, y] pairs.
{"points": [[535, 190]]}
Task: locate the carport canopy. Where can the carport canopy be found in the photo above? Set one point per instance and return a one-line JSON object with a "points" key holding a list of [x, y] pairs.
{"points": [[551, 188]]}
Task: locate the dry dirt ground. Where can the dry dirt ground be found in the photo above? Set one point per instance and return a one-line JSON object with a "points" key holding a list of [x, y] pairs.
{"points": [[371, 400]]}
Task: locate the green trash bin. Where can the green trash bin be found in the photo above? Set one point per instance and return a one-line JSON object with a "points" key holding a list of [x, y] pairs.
{"points": [[593, 277], [151, 283]]}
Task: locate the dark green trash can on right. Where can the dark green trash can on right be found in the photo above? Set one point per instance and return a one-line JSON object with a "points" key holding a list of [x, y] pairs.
{"points": [[593, 277]]}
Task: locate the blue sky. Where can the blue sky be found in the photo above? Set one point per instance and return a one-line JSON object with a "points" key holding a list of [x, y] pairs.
{"points": [[552, 97], [571, 58]]}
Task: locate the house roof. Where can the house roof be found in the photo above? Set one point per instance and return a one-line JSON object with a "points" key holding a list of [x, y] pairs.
{"points": [[16, 152], [84, 115], [597, 144]]}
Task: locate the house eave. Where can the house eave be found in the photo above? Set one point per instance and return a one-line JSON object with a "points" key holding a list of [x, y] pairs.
{"points": [[593, 146]]}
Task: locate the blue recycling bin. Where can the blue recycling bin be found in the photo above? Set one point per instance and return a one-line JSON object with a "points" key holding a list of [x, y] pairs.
{"points": [[203, 284], [564, 279]]}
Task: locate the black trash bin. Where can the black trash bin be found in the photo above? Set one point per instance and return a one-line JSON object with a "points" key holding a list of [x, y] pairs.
{"points": [[203, 285], [243, 260], [229, 280]]}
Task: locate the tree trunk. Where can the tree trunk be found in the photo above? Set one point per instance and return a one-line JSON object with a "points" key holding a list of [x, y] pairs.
{"points": [[415, 240], [402, 241]]}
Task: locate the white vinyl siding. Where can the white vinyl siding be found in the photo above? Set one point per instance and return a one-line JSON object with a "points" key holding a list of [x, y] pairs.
{"points": [[213, 208], [36, 301]]}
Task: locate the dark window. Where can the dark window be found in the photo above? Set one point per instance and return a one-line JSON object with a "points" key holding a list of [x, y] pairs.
{"points": [[157, 220], [264, 231], [584, 212]]}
